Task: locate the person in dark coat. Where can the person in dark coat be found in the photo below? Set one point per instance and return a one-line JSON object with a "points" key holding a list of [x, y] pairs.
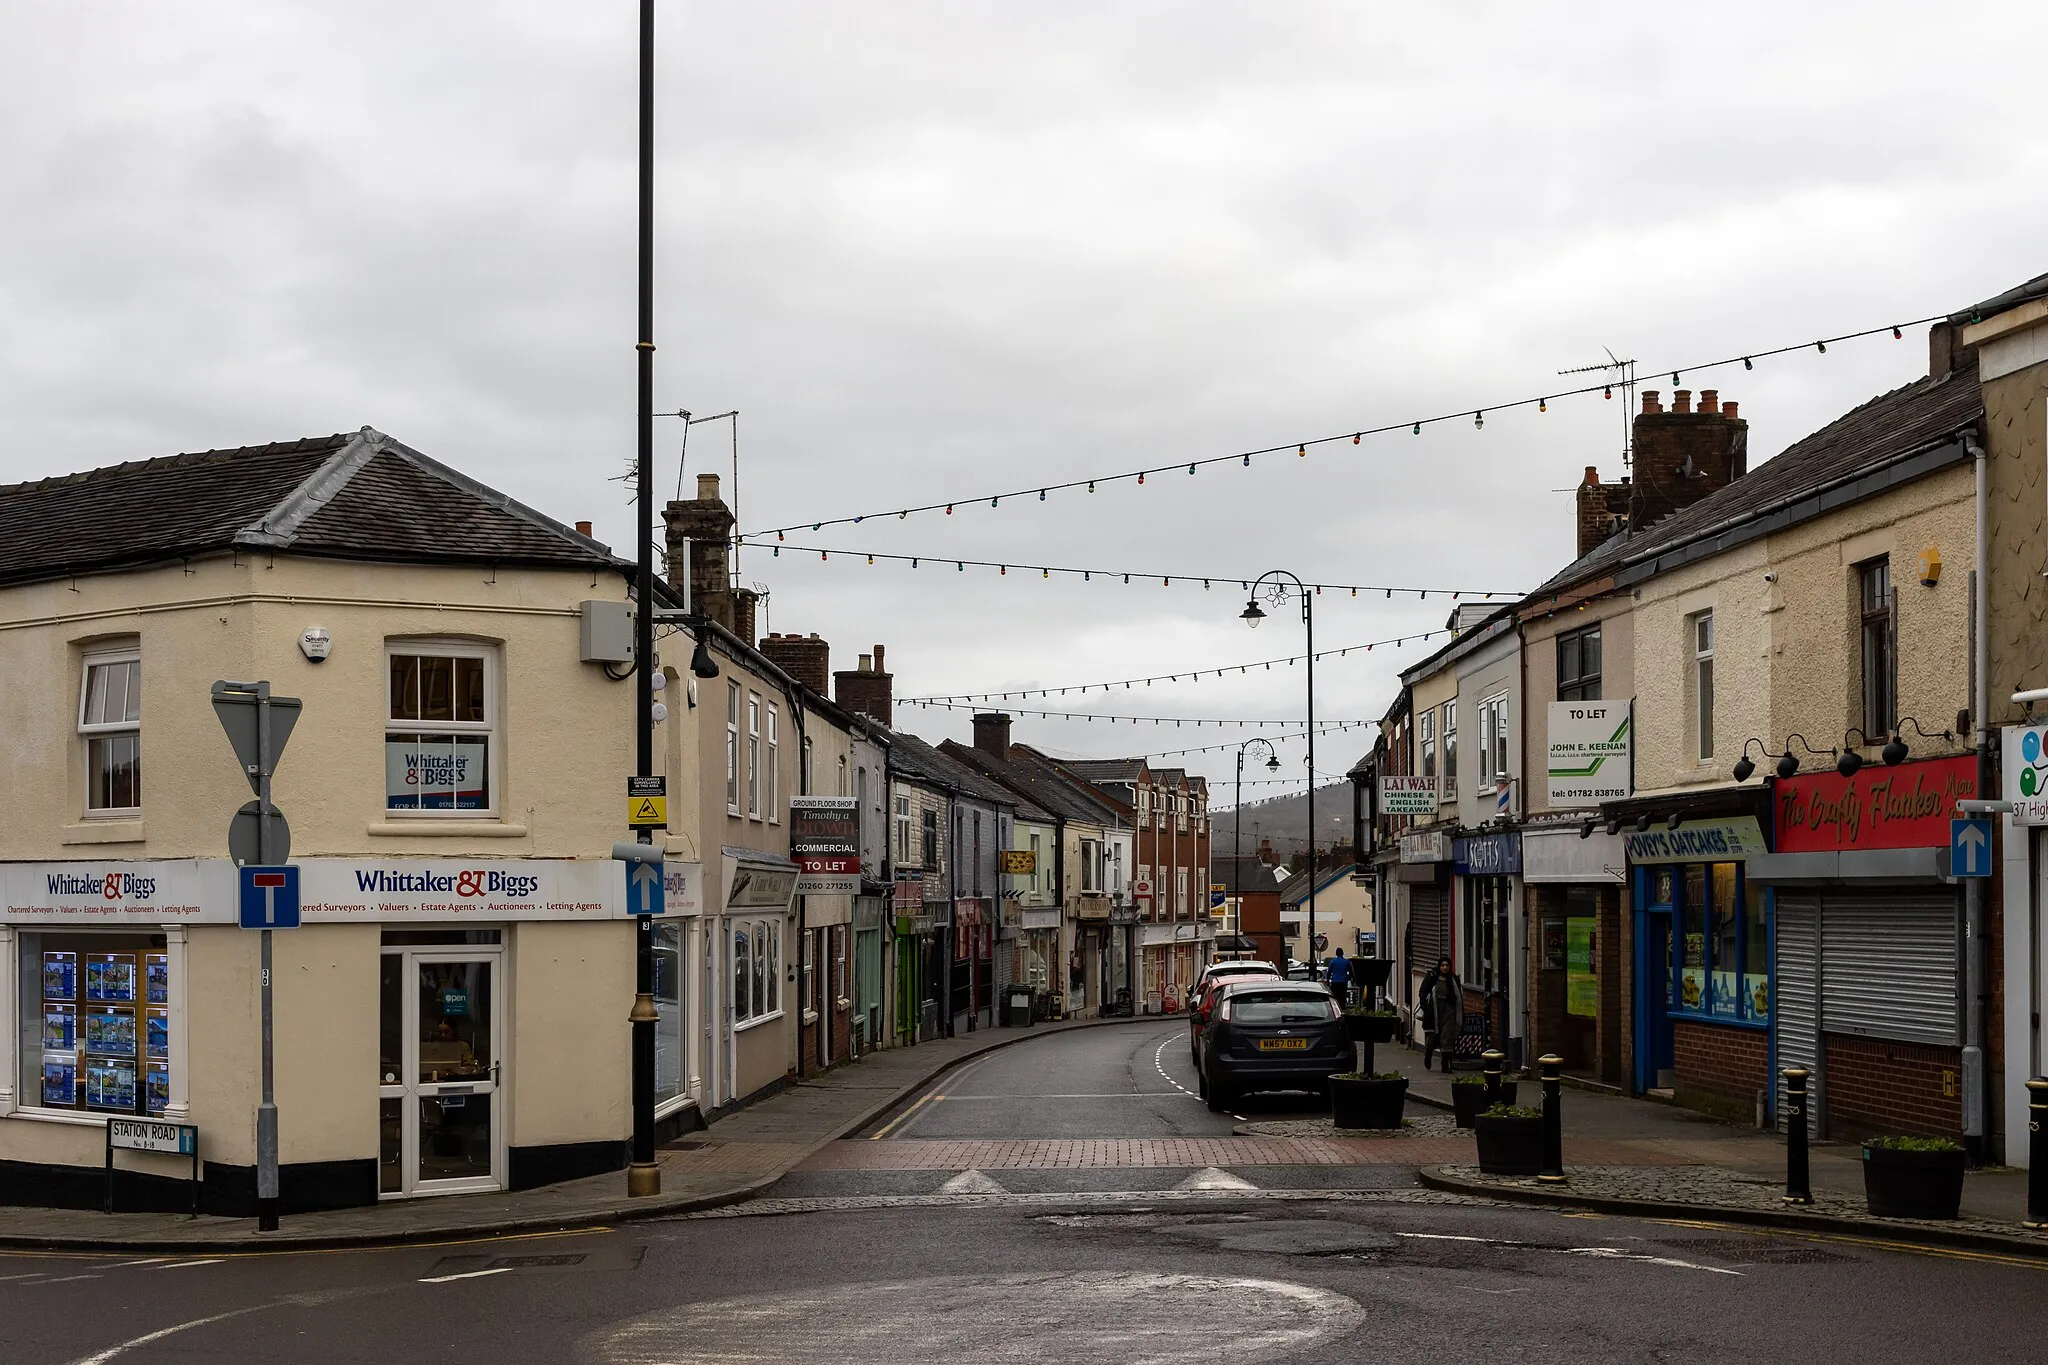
{"points": [[1443, 1013]]}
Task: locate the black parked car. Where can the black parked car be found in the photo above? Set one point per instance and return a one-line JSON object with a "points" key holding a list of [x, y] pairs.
{"points": [[1271, 1035]]}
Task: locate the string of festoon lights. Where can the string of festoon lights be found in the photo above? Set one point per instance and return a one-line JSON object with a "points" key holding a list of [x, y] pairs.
{"points": [[1337, 727], [1045, 571], [1197, 721], [1300, 448]]}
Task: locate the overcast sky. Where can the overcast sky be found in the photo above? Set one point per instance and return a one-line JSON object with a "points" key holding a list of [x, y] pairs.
{"points": [[940, 250]]}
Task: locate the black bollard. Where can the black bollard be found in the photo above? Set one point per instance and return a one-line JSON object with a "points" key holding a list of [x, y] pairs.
{"points": [[2037, 1153], [1553, 1119], [1493, 1062], [1798, 1185]]}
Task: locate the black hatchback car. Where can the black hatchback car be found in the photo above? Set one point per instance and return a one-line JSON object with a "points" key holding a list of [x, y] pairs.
{"points": [[1271, 1035]]}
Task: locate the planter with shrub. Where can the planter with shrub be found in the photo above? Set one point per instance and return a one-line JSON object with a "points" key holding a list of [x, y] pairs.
{"points": [[1913, 1177], [1468, 1097], [1510, 1140], [1371, 1100], [1371, 1026]]}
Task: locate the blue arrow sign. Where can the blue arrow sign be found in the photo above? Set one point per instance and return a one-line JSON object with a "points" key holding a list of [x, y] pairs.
{"points": [[269, 897], [643, 889], [1969, 848]]}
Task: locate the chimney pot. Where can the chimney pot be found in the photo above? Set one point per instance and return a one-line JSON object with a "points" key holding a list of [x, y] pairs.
{"points": [[582, 528], [1650, 403], [867, 663], [707, 488], [879, 666], [1681, 400], [1728, 409], [1592, 479], [1710, 400], [870, 691]]}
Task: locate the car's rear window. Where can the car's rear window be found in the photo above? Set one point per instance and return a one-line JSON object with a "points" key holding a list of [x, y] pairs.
{"points": [[1292, 1008]]}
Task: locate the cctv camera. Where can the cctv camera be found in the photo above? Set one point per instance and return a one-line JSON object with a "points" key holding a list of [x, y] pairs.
{"points": [[316, 644]]}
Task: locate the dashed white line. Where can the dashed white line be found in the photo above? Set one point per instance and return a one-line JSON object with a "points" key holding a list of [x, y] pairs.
{"points": [[1159, 1064], [187, 1265], [121, 1348], [467, 1275]]}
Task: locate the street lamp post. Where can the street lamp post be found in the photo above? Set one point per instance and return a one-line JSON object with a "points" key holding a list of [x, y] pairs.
{"points": [[1274, 585], [1237, 838]]}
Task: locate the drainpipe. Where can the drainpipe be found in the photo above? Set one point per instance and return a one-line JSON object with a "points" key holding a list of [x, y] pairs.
{"points": [[1977, 1013]]}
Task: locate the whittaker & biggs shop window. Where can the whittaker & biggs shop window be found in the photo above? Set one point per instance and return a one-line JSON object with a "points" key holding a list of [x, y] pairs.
{"points": [[95, 1023], [439, 729], [110, 725]]}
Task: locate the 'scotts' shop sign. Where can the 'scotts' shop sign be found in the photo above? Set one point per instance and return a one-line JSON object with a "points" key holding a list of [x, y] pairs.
{"points": [[1592, 746], [1909, 806]]}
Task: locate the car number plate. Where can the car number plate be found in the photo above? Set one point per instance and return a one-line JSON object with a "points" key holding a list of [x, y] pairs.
{"points": [[1283, 1044]]}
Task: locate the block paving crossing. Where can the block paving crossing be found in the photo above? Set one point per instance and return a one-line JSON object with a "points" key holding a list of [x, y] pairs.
{"points": [[960, 1154]]}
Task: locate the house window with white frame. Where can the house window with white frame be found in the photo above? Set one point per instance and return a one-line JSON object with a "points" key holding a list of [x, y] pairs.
{"points": [[1425, 740], [903, 830], [1450, 743], [771, 777], [110, 728], [732, 749], [756, 970], [440, 728], [1493, 740], [753, 756], [1702, 626]]}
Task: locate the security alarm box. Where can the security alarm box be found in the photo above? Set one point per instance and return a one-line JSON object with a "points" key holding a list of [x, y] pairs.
{"points": [[606, 636]]}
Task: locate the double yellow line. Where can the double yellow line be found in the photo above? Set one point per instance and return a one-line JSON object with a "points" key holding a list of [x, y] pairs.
{"points": [[1878, 1243]]}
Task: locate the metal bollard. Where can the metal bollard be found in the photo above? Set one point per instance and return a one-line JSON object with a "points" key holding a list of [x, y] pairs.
{"points": [[1553, 1119], [1494, 1061], [1798, 1185], [2037, 1153]]}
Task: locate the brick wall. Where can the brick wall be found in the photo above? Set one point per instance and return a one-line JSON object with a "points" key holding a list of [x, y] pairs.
{"points": [[1876, 1087], [1720, 1069]]}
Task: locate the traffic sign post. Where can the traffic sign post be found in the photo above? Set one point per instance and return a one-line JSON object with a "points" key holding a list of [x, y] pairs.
{"points": [[1969, 848], [258, 725]]}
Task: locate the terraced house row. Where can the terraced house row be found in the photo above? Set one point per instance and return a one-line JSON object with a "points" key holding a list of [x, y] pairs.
{"points": [[1686, 814], [452, 1014]]}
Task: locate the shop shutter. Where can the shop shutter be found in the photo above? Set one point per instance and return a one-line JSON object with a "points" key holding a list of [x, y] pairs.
{"points": [[1795, 1013], [1889, 965], [1429, 927]]}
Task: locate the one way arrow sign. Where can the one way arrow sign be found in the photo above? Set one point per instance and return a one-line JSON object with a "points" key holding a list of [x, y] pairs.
{"points": [[1969, 848], [643, 877]]}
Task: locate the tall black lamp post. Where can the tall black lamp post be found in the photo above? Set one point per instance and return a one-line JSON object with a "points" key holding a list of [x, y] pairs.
{"points": [[1237, 839], [1273, 586], [643, 1175]]}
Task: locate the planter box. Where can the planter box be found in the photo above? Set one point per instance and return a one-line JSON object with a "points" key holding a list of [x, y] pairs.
{"points": [[1509, 1146], [1469, 1101], [1370, 1028], [1367, 1104], [1912, 1184]]}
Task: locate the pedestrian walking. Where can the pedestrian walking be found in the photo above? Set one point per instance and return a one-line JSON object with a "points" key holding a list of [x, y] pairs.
{"points": [[1443, 1013], [1338, 970]]}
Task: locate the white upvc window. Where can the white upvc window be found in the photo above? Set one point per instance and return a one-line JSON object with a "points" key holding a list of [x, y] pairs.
{"points": [[903, 830], [1493, 740], [440, 728], [110, 731], [1703, 682], [753, 756], [770, 778], [756, 971], [732, 749], [99, 1025]]}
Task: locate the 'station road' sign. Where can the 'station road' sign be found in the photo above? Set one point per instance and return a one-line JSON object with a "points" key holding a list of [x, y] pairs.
{"points": [[152, 1135]]}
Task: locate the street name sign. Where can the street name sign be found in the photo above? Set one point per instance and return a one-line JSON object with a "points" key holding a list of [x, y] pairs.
{"points": [[153, 1135]]}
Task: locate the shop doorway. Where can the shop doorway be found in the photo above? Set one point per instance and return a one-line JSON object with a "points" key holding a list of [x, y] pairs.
{"points": [[440, 1077], [1655, 1059]]}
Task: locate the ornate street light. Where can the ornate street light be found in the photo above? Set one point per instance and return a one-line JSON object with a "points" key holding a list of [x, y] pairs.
{"points": [[1274, 585]]}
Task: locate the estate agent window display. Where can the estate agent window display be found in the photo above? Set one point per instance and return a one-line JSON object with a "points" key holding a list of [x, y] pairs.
{"points": [[1721, 941], [94, 1022]]}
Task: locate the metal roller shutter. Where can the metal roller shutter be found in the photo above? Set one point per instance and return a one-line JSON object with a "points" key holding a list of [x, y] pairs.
{"points": [[1429, 926], [1890, 961], [1796, 955]]}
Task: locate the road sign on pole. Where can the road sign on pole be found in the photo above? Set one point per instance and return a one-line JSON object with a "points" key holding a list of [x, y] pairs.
{"points": [[270, 897], [1969, 848], [644, 889]]}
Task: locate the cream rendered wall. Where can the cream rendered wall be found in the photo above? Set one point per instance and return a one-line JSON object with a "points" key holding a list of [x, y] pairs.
{"points": [[1786, 653], [569, 1044], [1539, 677], [1428, 693]]}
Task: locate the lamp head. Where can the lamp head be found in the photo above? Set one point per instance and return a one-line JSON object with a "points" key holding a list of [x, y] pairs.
{"points": [[1788, 765], [1848, 763], [701, 662], [1895, 752], [1273, 764], [1744, 769], [1251, 615]]}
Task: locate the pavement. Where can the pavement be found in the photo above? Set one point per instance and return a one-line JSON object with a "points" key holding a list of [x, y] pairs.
{"points": [[736, 1158]]}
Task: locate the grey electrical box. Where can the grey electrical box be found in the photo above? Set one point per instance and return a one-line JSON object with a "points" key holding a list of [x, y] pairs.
{"points": [[607, 633]]}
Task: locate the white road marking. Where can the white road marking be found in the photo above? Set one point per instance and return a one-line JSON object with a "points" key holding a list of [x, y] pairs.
{"points": [[187, 1265], [1210, 1178], [973, 1182], [1598, 1253], [67, 1279], [154, 1260], [1159, 1064], [1033, 1099], [36, 1275], [467, 1275], [121, 1348]]}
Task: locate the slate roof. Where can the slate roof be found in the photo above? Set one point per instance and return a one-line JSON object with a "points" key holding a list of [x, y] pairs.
{"points": [[1998, 303], [1259, 877], [1915, 417], [1036, 779], [911, 755], [1105, 769], [360, 495]]}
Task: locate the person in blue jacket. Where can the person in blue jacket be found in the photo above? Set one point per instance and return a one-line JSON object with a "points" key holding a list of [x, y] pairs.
{"points": [[1338, 969]]}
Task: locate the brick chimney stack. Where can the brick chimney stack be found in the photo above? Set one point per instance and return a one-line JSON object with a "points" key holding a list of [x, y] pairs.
{"points": [[1602, 510], [992, 733], [1266, 854], [804, 657], [869, 690], [706, 522], [1683, 455]]}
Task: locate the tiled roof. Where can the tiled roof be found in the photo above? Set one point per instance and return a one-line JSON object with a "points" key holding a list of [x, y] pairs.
{"points": [[910, 754], [1998, 303], [1259, 877], [1909, 419], [1105, 769], [1045, 793], [360, 495]]}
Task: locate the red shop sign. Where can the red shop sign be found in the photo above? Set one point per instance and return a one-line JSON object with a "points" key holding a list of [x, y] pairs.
{"points": [[1904, 807]]}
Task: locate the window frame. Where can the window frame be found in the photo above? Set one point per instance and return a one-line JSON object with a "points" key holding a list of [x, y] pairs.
{"points": [[772, 797], [428, 647], [732, 748], [1700, 625], [1675, 969], [900, 813], [1425, 743], [89, 731], [764, 976], [1447, 744], [1877, 633], [929, 843], [753, 773], [1495, 746], [1579, 684], [165, 941]]}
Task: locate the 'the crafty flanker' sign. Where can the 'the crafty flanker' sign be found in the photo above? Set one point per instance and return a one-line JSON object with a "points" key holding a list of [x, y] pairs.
{"points": [[1908, 806]]}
